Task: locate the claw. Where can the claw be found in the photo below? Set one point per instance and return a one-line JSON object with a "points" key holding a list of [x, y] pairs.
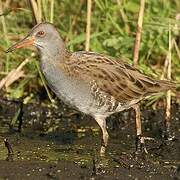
{"points": [[140, 144], [102, 151], [168, 134]]}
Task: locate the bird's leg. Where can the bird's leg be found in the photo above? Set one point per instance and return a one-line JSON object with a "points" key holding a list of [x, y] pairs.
{"points": [[167, 133], [140, 144], [102, 123]]}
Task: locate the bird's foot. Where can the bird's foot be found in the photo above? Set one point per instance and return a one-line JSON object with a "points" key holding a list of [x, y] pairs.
{"points": [[140, 144], [102, 150], [168, 134], [100, 165]]}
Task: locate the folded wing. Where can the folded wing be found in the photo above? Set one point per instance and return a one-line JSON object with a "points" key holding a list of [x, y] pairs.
{"points": [[114, 77]]}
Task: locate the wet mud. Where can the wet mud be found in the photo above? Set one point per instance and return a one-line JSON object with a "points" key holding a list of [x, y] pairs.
{"points": [[56, 142]]}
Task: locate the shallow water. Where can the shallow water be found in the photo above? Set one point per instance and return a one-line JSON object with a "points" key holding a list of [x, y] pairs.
{"points": [[60, 143]]}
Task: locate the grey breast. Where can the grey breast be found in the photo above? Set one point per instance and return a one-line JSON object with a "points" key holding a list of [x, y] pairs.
{"points": [[71, 91]]}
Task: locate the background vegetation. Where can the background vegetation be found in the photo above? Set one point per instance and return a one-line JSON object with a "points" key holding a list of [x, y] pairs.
{"points": [[113, 28]]}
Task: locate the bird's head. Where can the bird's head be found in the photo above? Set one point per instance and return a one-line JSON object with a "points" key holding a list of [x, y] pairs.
{"points": [[44, 36]]}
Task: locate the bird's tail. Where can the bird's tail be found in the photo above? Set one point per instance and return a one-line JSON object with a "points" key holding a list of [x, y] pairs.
{"points": [[158, 86], [166, 85]]}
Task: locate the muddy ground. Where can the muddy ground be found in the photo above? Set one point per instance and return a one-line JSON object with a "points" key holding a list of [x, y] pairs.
{"points": [[60, 143]]}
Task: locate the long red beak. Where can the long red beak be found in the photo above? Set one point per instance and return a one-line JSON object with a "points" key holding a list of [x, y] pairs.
{"points": [[27, 41]]}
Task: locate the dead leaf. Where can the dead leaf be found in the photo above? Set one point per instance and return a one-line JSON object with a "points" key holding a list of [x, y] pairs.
{"points": [[14, 75]]}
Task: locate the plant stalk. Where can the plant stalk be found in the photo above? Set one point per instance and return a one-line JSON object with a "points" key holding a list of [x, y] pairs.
{"points": [[138, 33], [88, 25]]}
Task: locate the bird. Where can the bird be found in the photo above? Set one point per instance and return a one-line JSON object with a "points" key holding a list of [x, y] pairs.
{"points": [[91, 82]]}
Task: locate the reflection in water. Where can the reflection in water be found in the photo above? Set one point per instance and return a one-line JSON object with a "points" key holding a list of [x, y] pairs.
{"points": [[9, 149]]}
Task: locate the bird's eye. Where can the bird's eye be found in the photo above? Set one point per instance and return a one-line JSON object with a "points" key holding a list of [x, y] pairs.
{"points": [[41, 33]]}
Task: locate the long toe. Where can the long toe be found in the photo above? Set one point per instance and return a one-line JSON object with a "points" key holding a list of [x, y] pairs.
{"points": [[168, 134], [140, 144], [102, 151]]}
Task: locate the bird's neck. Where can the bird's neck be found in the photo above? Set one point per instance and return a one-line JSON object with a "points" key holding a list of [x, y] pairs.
{"points": [[55, 55], [51, 59]]}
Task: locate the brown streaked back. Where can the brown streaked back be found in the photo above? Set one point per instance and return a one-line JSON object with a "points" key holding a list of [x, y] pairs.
{"points": [[113, 76]]}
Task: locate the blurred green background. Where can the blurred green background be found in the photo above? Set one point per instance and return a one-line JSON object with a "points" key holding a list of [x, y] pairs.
{"points": [[113, 31]]}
